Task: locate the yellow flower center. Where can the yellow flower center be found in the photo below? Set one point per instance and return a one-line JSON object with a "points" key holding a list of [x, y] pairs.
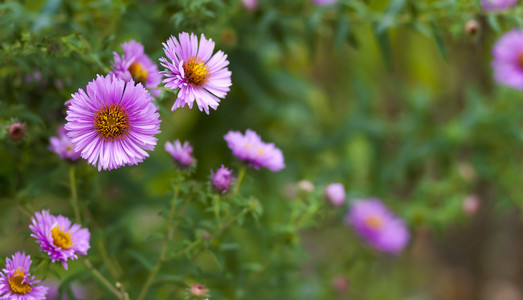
{"points": [[196, 71], [374, 222], [111, 121], [17, 283], [69, 149], [138, 72], [61, 239], [260, 151]]}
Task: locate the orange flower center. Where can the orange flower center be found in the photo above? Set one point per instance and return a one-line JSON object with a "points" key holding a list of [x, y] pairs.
{"points": [[196, 71], [138, 72], [374, 222], [61, 239], [520, 60], [17, 283], [111, 121]]}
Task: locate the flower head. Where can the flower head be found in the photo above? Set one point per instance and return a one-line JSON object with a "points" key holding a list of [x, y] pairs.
{"points": [[182, 154], [508, 59], [17, 283], [471, 205], [335, 193], [62, 145], [253, 151], [16, 130], [222, 179], [191, 68], [497, 5], [57, 236], [113, 123], [375, 223], [135, 65]]}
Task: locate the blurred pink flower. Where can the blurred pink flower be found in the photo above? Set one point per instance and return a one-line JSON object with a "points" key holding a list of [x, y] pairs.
{"points": [[335, 193]]}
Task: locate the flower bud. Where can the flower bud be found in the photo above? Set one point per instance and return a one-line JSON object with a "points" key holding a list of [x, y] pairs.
{"points": [[306, 186], [340, 283], [335, 193], [221, 180], [198, 290], [250, 5], [472, 28], [16, 131], [471, 205]]}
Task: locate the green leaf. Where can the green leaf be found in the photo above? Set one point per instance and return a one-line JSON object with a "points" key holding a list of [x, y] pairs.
{"points": [[439, 40], [141, 259], [385, 47], [342, 32]]}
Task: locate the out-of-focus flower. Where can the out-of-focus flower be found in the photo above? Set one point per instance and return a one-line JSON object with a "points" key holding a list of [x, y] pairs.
{"points": [[340, 283], [221, 180], [472, 27], [36, 77], [135, 65], [16, 131], [306, 186], [376, 224], [198, 290], [508, 59], [17, 283], [467, 171], [324, 2], [253, 151], [471, 205], [250, 5], [335, 193], [113, 123], [497, 5], [57, 236], [53, 292], [182, 154], [191, 68], [62, 145]]}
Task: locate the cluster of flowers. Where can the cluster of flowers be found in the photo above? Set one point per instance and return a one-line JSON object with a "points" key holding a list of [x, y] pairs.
{"points": [[57, 237], [114, 120], [372, 221]]}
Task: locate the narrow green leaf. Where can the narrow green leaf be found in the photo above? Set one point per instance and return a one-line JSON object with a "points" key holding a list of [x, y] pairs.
{"points": [[439, 40]]}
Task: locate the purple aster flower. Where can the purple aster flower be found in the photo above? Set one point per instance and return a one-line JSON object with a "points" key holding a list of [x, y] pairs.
{"points": [[113, 123], [57, 236], [135, 65], [17, 283], [253, 151], [375, 223], [324, 2], [335, 193], [191, 68], [63, 146], [182, 154], [497, 5], [222, 179], [508, 59]]}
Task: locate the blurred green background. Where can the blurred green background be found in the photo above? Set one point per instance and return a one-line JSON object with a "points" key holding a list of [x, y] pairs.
{"points": [[394, 99]]}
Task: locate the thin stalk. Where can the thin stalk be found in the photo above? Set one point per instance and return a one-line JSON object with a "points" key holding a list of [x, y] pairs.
{"points": [[74, 195], [239, 181], [163, 253], [103, 280]]}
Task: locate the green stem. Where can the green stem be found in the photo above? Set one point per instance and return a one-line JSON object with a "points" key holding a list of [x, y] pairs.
{"points": [[103, 280], [74, 195], [239, 181], [170, 233]]}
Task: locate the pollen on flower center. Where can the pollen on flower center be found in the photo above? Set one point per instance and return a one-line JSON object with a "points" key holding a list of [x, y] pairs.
{"points": [[196, 71], [17, 283], [111, 121], [374, 222], [61, 239], [138, 72]]}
